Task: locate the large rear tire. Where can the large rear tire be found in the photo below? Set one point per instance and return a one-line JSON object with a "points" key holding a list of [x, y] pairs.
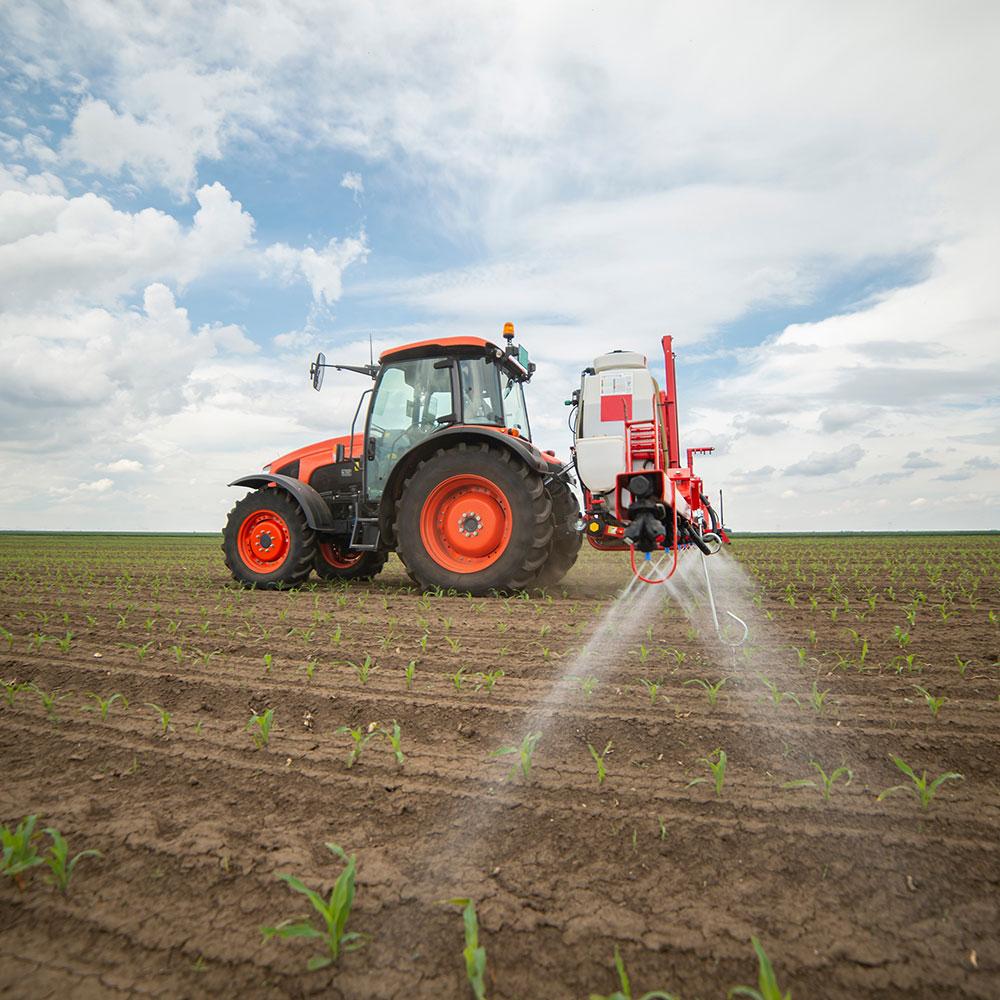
{"points": [[267, 542], [566, 540], [336, 563], [474, 518]]}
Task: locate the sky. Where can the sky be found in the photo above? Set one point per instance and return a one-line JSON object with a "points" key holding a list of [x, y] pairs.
{"points": [[195, 198]]}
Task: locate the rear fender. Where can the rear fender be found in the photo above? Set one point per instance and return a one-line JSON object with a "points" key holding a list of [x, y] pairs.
{"points": [[314, 507], [450, 438]]}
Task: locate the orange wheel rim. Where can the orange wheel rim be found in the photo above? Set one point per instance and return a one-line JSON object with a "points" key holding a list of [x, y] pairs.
{"points": [[336, 558], [264, 541], [466, 523]]}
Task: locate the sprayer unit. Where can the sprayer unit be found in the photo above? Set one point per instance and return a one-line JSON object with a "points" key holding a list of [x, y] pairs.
{"points": [[637, 494]]}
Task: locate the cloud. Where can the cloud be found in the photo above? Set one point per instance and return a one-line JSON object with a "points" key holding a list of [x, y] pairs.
{"points": [[353, 182], [322, 269], [918, 460], [124, 465], [843, 415], [826, 463], [760, 426], [752, 475]]}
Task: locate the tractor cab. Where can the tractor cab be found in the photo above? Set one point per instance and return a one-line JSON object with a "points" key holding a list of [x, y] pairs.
{"points": [[423, 388]]}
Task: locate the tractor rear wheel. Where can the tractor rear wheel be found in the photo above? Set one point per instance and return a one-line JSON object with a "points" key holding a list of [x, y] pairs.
{"points": [[566, 540], [267, 542], [334, 562], [474, 518]]}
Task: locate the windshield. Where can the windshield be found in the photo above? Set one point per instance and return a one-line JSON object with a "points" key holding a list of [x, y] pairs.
{"points": [[514, 411], [489, 397]]}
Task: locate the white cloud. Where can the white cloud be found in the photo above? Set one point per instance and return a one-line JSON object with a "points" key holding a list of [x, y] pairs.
{"points": [[124, 465], [353, 182], [322, 269], [827, 463]]}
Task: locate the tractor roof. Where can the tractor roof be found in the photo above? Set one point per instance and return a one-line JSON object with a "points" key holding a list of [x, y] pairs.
{"points": [[437, 346]]}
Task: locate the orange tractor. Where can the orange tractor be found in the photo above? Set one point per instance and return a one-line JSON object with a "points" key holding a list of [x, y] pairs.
{"points": [[446, 475]]}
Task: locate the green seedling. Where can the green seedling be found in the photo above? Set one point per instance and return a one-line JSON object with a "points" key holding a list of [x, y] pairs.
{"points": [[625, 993], [310, 668], [60, 864], [663, 827], [777, 695], [334, 911], [716, 762], [652, 688], [205, 658], [963, 665], [103, 705], [473, 952], [164, 717], [408, 671], [711, 690], [453, 642], [487, 680], [268, 660], [49, 700], [599, 760], [394, 736], [178, 652], [458, 677], [934, 704], [259, 727], [8, 637], [361, 739], [526, 751], [587, 684], [767, 981], [817, 699], [19, 854], [921, 788], [363, 669], [64, 642], [826, 781], [11, 689]]}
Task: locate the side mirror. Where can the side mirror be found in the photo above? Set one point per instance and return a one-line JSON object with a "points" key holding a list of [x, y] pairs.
{"points": [[316, 370]]}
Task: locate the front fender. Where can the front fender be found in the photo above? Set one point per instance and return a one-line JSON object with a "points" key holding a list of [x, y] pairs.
{"points": [[314, 507]]}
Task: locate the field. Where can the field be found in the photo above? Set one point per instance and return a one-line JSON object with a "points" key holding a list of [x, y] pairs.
{"points": [[860, 648]]}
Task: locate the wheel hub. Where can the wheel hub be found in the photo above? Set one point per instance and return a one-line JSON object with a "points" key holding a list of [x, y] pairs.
{"points": [[469, 524]]}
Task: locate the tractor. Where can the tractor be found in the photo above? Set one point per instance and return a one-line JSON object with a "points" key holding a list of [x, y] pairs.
{"points": [[444, 473]]}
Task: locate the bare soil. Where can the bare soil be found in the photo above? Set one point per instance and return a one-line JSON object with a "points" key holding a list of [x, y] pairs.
{"points": [[850, 897]]}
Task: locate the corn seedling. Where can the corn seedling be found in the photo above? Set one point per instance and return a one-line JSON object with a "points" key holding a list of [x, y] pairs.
{"points": [[599, 760], [164, 717], [103, 705], [473, 952], [625, 993], [19, 854], [259, 727], [453, 642], [395, 736], [767, 981], [826, 781], [59, 862], [363, 669], [587, 684], [458, 677], [268, 660], [361, 739], [526, 751], [408, 671], [963, 665], [11, 689], [711, 690], [716, 762], [663, 827], [178, 652], [817, 698], [8, 637], [777, 695], [921, 788], [934, 704], [334, 911], [488, 680], [652, 688], [64, 642], [49, 700]]}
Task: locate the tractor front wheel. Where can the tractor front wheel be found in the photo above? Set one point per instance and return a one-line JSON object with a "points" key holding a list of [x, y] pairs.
{"points": [[474, 518], [336, 562], [267, 542]]}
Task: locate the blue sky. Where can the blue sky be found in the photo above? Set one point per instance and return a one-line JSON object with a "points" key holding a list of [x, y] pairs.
{"points": [[194, 201]]}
